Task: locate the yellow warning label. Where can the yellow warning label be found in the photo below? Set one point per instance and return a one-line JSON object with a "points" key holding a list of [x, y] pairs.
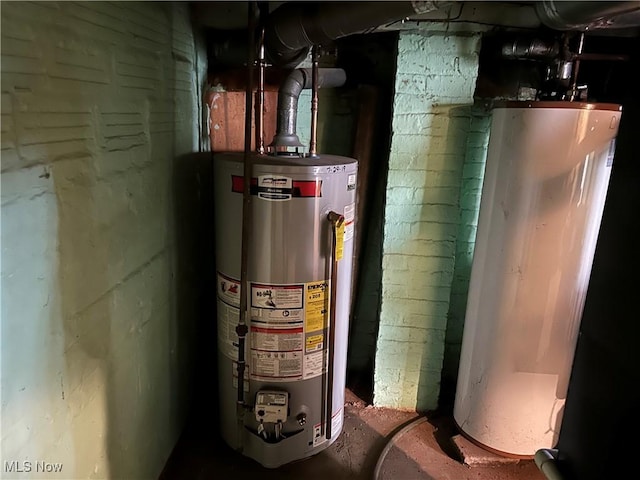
{"points": [[339, 240], [317, 306], [314, 342]]}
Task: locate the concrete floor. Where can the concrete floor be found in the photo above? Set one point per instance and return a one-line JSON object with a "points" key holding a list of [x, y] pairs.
{"points": [[423, 453]]}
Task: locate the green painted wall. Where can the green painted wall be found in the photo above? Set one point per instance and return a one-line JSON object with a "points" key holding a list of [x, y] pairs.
{"points": [[470, 192], [432, 121], [98, 102]]}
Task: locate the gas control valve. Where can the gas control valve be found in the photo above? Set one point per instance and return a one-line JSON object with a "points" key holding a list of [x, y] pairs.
{"points": [[271, 406]]}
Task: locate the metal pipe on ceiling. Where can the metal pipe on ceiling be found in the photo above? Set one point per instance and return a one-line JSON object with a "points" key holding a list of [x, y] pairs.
{"points": [[529, 47], [587, 15], [296, 26]]}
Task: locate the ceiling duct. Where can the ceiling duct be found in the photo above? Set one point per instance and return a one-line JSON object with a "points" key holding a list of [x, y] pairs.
{"points": [[585, 15], [295, 26]]}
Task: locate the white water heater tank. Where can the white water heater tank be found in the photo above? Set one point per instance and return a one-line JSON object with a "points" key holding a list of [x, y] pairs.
{"points": [[545, 185]]}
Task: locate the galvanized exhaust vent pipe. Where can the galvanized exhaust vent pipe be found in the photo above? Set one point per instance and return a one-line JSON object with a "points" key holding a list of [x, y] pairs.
{"points": [[288, 95], [563, 15], [295, 26]]}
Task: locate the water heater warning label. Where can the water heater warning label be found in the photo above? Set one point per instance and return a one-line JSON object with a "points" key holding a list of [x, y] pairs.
{"points": [[277, 332], [351, 182], [228, 318], [228, 293], [314, 343], [276, 339], [315, 364], [228, 290], [281, 297], [319, 436], [317, 307], [270, 365], [349, 221], [288, 331]]}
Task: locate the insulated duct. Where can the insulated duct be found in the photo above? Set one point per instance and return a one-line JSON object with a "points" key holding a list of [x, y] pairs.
{"points": [[563, 15], [295, 26], [288, 95]]}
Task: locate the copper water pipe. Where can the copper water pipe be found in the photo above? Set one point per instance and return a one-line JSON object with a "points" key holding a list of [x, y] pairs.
{"points": [[313, 147]]}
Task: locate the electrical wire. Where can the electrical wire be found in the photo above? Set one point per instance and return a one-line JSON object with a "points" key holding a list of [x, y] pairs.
{"points": [[392, 441]]}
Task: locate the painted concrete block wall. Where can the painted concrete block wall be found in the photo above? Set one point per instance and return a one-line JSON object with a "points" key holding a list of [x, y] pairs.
{"points": [[470, 192], [98, 100], [435, 82]]}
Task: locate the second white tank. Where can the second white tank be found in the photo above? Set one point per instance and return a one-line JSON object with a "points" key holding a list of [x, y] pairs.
{"points": [[548, 168]]}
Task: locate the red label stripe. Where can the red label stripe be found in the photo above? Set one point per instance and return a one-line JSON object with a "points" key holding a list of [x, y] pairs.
{"points": [[277, 330], [278, 287], [300, 188], [237, 184]]}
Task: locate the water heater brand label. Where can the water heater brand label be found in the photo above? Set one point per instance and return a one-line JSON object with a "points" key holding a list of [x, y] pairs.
{"points": [[278, 188], [274, 188]]}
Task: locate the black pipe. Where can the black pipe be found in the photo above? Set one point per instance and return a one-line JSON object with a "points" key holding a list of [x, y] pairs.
{"points": [[227, 48], [295, 26], [606, 57], [241, 328], [288, 94]]}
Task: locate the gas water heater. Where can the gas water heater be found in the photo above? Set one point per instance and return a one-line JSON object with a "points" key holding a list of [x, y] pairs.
{"points": [[298, 301], [547, 172]]}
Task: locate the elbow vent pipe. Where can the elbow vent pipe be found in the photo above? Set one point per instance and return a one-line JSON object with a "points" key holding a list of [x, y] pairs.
{"points": [[288, 94], [296, 26]]}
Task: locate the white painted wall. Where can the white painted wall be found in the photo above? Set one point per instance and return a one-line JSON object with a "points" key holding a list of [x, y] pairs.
{"points": [[98, 101]]}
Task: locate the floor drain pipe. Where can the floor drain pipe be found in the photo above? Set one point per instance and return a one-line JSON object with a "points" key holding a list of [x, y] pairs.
{"points": [[546, 460]]}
